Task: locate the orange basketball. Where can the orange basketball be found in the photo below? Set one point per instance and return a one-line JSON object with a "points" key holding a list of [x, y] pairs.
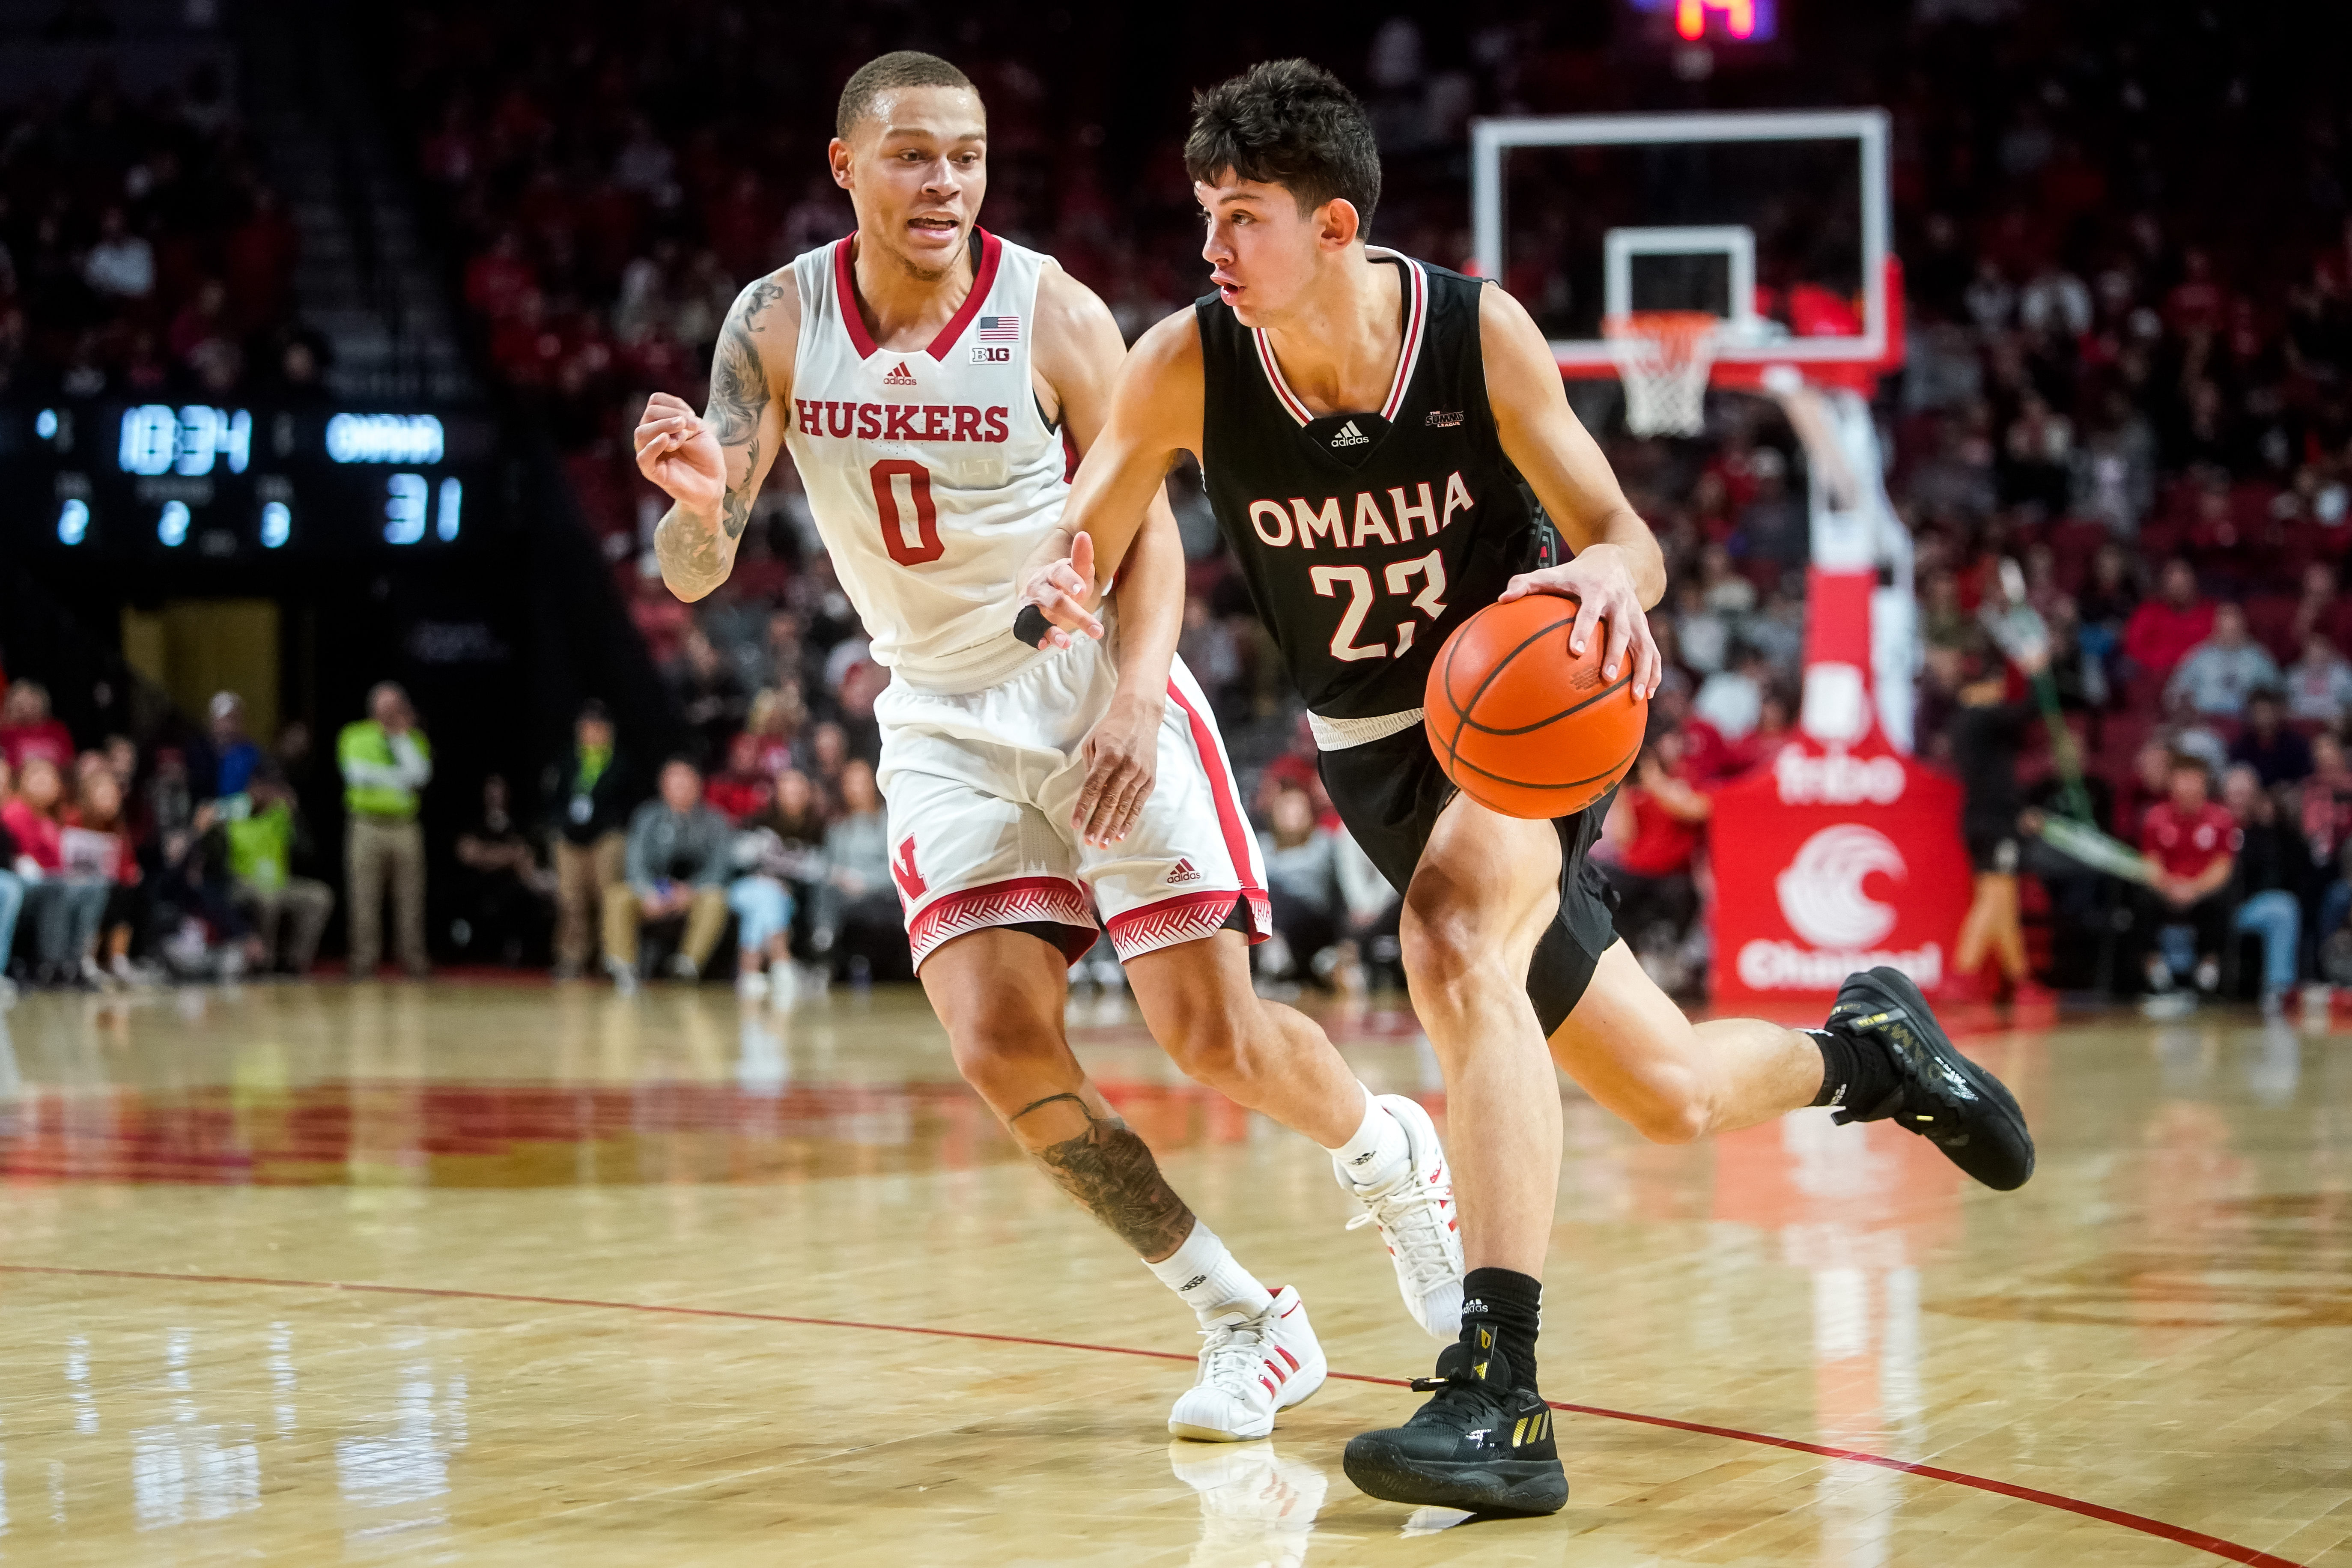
{"points": [[1523, 726]]}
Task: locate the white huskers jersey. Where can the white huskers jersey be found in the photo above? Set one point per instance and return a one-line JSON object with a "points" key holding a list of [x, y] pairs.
{"points": [[931, 474]]}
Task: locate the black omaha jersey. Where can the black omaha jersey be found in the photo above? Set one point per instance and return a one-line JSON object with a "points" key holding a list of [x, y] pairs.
{"points": [[1366, 538]]}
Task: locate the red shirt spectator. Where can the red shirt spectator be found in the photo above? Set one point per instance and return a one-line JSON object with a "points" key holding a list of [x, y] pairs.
{"points": [[1662, 844], [30, 815], [744, 789], [2187, 843], [2161, 632], [27, 730]]}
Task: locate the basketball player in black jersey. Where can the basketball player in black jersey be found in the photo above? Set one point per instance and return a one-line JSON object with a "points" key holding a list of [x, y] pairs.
{"points": [[1371, 429]]}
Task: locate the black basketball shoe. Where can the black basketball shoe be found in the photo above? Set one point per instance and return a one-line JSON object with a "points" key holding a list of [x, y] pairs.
{"points": [[1939, 1094], [1479, 1443]]}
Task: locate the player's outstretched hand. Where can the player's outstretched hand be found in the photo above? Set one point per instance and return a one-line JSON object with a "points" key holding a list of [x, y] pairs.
{"points": [[1060, 589], [1597, 579], [675, 451], [1122, 755]]}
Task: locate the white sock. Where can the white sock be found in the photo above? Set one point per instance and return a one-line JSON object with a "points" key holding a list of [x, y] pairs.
{"points": [[1209, 1278], [1376, 1155]]}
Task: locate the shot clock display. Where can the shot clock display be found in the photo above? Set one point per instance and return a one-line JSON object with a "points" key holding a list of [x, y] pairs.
{"points": [[156, 479]]}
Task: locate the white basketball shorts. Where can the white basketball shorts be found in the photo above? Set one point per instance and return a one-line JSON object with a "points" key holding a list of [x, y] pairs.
{"points": [[981, 788]]}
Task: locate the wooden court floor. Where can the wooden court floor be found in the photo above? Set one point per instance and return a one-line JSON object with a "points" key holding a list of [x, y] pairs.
{"points": [[487, 1273]]}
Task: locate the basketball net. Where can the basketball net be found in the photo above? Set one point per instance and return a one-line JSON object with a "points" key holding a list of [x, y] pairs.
{"points": [[1663, 358]]}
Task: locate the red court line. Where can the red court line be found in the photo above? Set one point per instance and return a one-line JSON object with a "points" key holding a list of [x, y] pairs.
{"points": [[2181, 1535]]}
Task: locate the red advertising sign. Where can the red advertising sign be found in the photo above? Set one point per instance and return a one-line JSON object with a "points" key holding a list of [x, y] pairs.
{"points": [[1831, 860]]}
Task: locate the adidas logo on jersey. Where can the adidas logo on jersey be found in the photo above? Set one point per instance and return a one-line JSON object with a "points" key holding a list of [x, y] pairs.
{"points": [[901, 376], [1183, 873], [1349, 436]]}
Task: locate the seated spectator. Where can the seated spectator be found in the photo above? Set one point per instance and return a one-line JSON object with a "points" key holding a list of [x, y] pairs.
{"points": [[502, 890], [262, 827], [828, 754], [860, 924], [66, 906], [201, 934], [1775, 728], [235, 754], [2319, 684], [741, 790], [1654, 830], [2324, 816], [2277, 755], [703, 684], [95, 842], [1302, 876], [12, 887], [590, 788], [675, 869], [2217, 674], [2265, 882], [781, 852], [2193, 840], [27, 730], [2162, 630]]}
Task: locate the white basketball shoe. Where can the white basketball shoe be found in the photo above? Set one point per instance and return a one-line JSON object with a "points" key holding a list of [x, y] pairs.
{"points": [[1418, 1222], [1250, 1368]]}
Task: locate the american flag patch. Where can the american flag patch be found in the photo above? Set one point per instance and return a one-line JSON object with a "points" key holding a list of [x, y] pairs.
{"points": [[999, 329]]}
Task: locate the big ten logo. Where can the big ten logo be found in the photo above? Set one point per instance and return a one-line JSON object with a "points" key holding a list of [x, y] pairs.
{"points": [[1836, 779], [991, 354]]}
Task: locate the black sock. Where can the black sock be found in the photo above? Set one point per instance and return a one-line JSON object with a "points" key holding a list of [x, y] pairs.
{"points": [[1512, 1305], [1856, 1073]]}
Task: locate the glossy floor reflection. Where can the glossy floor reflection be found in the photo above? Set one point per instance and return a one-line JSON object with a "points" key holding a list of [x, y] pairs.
{"points": [[510, 1274]]}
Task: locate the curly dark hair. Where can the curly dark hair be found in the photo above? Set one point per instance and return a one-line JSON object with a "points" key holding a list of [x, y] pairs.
{"points": [[899, 68], [1290, 123]]}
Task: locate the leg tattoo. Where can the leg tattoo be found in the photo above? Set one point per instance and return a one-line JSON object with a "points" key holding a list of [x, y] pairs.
{"points": [[1111, 1172]]}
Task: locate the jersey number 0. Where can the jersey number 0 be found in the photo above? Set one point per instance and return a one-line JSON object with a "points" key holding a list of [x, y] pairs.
{"points": [[924, 545]]}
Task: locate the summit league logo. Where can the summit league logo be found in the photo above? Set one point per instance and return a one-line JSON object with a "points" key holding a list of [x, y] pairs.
{"points": [[1823, 893]]}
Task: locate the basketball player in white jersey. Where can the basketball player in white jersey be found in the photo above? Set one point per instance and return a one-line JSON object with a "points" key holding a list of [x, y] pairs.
{"points": [[924, 374]]}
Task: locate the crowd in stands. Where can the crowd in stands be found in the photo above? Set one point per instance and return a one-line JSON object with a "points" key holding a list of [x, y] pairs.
{"points": [[142, 253], [121, 866]]}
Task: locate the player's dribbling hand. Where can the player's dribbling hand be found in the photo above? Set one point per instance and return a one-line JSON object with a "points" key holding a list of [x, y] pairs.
{"points": [[1603, 589], [677, 452], [1122, 755], [1060, 590]]}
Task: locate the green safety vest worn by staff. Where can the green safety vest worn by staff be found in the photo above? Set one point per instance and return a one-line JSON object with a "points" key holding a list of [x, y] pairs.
{"points": [[260, 843], [364, 753]]}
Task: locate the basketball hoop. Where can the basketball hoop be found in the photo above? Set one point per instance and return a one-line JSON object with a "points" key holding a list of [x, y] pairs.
{"points": [[1664, 357]]}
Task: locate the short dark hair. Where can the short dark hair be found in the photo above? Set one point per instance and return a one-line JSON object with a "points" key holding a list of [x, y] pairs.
{"points": [[1290, 123], [899, 68], [594, 711]]}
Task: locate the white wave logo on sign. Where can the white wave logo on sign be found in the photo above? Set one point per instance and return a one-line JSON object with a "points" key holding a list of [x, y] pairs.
{"points": [[1820, 893], [1821, 898]]}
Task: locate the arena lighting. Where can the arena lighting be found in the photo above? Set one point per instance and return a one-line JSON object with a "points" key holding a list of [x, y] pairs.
{"points": [[157, 439], [383, 438], [45, 424], [172, 527], [403, 509], [1738, 17], [73, 522], [277, 524], [453, 499]]}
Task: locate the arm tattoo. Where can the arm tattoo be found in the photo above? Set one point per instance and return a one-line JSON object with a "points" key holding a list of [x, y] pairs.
{"points": [[738, 396], [1112, 1173], [692, 562]]}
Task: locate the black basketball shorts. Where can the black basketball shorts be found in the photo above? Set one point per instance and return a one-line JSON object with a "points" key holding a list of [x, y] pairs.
{"points": [[1390, 792]]}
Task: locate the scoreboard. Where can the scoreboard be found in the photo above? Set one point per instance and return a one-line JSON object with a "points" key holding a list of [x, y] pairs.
{"points": [[153, 481]]}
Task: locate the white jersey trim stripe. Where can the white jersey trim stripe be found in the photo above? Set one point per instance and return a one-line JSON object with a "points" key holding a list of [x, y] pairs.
{"points": [[1416, 315]]}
